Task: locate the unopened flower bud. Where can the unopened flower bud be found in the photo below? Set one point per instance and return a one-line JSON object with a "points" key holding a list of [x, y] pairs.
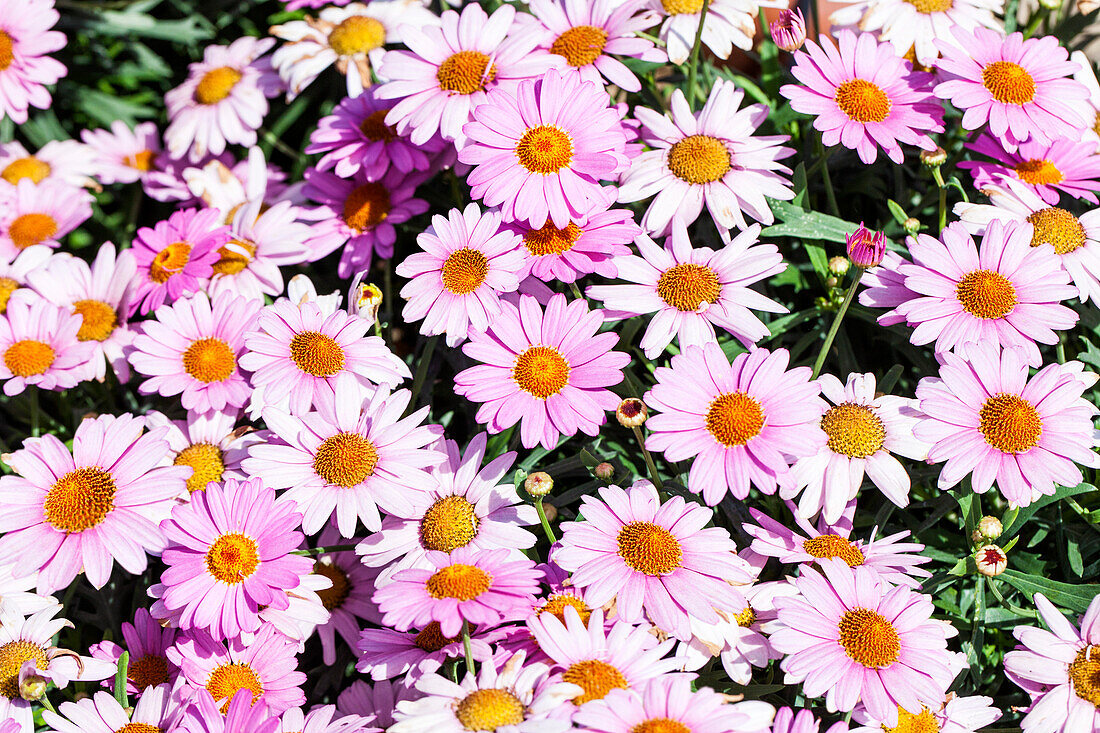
{"points": [[991, 560], [933, 158], [605, 472], [789, 30], [539, 484], [32, 687], [831, 282], [364, 298], [631, 412], [839, 265], [865, 247], [989, 527], [912, 225]]}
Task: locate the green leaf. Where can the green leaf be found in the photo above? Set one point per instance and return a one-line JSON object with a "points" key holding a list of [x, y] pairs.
{"points": [[794, 222], [1074, 597], [899, 213], [1028, 511]]}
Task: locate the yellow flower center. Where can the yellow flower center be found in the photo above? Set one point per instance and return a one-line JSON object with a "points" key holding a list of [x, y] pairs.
{"points": [[734, 418], [1009, 83], [148, 671], [80, 499], [746, 618], [100, 320], [448, 524], [227, 679], [541, 371], [487, 710], [682, 7], [464, 271], [832, 545], [854, 430], [580, 45], [924, 722], [465, 72], [30, 168], [1039, 172], [316, 354], [367, 206], [216, 85], [932, 6], [596, 678], [556, 605], [863, 101], [462, 582], [986, 294], [209, 360], [7, 50], [28, 358], [31, 229], [142, 160], [545, 149], [431, 639], [234, 256], [7, 287], [138, 728], [12, 656], [357, 34], [869, 639], [649, 548], [169, 261], [549, 240], [1084, 674], [1010, 423], [686, 287], [207, 462], [233, 557], [375, 129], [1058, 227], [699, 159], [334, 597], [346, 459]]}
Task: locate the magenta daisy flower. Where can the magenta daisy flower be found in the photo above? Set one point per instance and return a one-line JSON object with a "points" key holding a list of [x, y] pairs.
{"points": [[15, 273], [175, 255], [885, 288], [40, 213], [865, 96], [123, 155], [223, 101], [455, 284], [1069, 166], [40, 347], [955, 715], [656, 560], [191, 349], [387, 654], [67, 511], [691, 290], [548, 371], [983, 416], [579, 249], [262, 239], [209, 442], [480, 587], [375, 702], [787, 720], [851, 637], [297, 352], [1018, 86], [25, 69], [157, 708], [1056, 669], [446, 70], [228, 554], [352, 456], [265, 667], [146, 641], [238, 715], [324, 719], [742, 423], [710, 157], [348, 599], [538, 158]]}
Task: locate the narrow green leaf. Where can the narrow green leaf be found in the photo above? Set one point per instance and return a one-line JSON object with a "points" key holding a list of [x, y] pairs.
{"points": [[1074, 597]]}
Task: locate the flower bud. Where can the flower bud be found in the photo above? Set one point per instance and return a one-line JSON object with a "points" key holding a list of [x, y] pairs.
{"points": [[866, 248], [933, 158], [839, 265], [989, 528], [32, 687], [789, 30], [605, 472], [539, 484], [912, 225], [631, 412], [991, 560], [364, 298], [831, 282]]}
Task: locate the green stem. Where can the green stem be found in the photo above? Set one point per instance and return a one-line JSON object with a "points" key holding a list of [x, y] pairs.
{"points": [[545, 522], [324, 550], [35, 413], [936, 174], [422, 371], [1061, 349], [830, 194], [836, 323], [693, 68], [650, 465], [120, 679], [466, 647], [576, 291], [47, 704]]}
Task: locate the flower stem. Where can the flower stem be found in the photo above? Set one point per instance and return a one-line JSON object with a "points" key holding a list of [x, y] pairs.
{"points": [[35, 413], [830, 194], [545, 522], [836, 323], [47, 704], [422, 371], [943, 196], [466, 647], [324, 550], [650, 465], [120, 679], [693, 67]]}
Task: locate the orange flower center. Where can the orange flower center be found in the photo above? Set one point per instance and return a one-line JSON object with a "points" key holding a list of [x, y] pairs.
{"points": [[232, 558], [234, 256], [746, 618], [148, 671], [649, 548], [345, 459], [487, 710], [227, 679], [209, 360], [31, 229], [1010, 423], [99, 320], [7, 287], [12, 656], [545, 149], [367, 206], [207, 463], [734, 418], [28, 358], [7, 50], [334, 597], [1058, 227], [169, 261], [431, 639], [580, 45], [1039, 172], [316, 354], [682, 7], [556, 605], [924, 722], [462, 582], [986, 294], [357, 34], [699, 159], [448, 524], [687, 287], [869, 639], [375, 129], [596, 678], [465, 72], [932, 6], [138, 728], [216, 84], [541, 371], [863, 101], [1009, 83], [464, 271], [854, 430], [80, 499], [1084, 673], [831, 546], [142, 161], [549, 240], [30, 168]]}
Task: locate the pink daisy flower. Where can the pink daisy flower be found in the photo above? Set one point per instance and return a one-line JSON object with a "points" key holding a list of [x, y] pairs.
{"points": [[865, 96], [547, 370], [191, 349], [67, 511], [175, 255], [146, 641], [223, 101], [739, 638], [468, 506], [264, 667], [447, 70], [323, 719], [157, 708], [356, 137], [100, 295], [728, 24], [375, 702], [538, 158], [387, 654], [209, 442], [262, 239], [1017, 86], [25, 69], [656, 560], [802, 721], [670, 703], [851, 637], [296, 353], [15, 272], [690, 290], [1056, 669], [61, 161], [742, 423], [348, 599], [41, 213], [884, 287], [479, 587], [579, 249], [239, 715], [40, 347], [955, 715], [123, 155], [1069, 166], [983, 416], [455, 284], [710, 157], [352, 456]]}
